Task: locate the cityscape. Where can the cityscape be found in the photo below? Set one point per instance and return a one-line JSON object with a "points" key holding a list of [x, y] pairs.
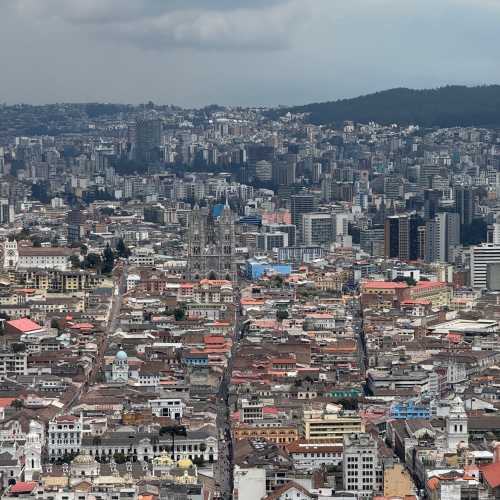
{"points": [[249, 250]]}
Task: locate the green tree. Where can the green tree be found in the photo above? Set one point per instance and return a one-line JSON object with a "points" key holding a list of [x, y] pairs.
{"points": [[108, 260], [92, 261], [281, 314], [122, 250], [75, 261], [179, 314]]}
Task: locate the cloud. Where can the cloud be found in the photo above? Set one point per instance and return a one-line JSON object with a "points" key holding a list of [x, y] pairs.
{"points": [[159, 24]]}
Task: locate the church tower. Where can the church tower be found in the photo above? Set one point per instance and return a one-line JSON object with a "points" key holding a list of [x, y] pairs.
{"points": [[32, 453], [211, 245], [456, 425]]}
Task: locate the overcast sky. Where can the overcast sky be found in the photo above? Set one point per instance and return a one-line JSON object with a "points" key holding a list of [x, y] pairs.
{"points": [[248, 52]]}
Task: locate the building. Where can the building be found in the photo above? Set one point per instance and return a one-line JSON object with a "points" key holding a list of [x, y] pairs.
{"points": [[442, 236], [64, 436], [251, 410], [362, 470], [401, 237], [211, 245], [330, 424], [119, 368], [44, 258], [481, 256], [465, 203], [12, 362], [317, 229], [456, 426], [148, 139], [300, 204]]}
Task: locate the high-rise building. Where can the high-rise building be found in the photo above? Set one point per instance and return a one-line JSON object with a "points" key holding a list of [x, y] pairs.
{"points": [[300, 204], [6, 211], [362, 469], [264, 171], [401, 237], [480, 257], [464, 203], [442, 236], [148, 139], [317, 229], [432, 198]]}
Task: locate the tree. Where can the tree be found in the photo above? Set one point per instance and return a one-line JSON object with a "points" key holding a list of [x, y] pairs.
{"points": [[179, 314], [108, 260], [75, 261], [17, 404], [83, 249], [120, 458], [199, 461], [409, 280], [122, 249], [92, 261], [281, 314]]}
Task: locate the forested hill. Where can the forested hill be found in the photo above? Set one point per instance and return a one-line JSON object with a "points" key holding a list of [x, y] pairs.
{"points": [[443, 107]]}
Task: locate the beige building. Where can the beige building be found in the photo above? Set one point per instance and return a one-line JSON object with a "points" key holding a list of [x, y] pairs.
{"points": [[330, 424]]}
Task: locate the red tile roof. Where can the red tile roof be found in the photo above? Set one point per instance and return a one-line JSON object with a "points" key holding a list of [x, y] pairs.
{"points": [[23, 487], [24, 325], [491, 474], [388, 285]]}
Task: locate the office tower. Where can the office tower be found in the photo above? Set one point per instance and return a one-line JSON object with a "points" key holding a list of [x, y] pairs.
{"points": [[266, 242], [264, 171], [442, 237], [362, 469], [318, 229], [211, 245], [422, 242], [75, 220], [482, 256], [427, 173], [6, 211], [432, 198], [372, 240], [2, 162], [300, 204], [289, 229], [464, 203], [148, 139], [393, 187], [401, 237], [283, 173]]}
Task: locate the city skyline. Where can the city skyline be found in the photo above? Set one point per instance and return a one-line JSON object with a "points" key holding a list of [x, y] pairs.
{"points": [[240, 53]]}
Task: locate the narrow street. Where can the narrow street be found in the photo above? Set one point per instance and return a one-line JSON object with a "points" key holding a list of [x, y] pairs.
{"points": [[226, 462]]}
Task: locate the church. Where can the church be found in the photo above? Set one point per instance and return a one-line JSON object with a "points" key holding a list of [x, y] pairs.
{"points": [[211, 245]]}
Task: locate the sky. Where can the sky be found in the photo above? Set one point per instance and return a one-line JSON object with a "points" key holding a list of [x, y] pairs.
{"points": [[241, 52]]}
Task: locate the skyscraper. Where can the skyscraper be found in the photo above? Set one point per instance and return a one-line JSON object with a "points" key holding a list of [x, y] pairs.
{"points": [[148, 139], [300, 204], [442, 235], [464, 203], [401, 237]]}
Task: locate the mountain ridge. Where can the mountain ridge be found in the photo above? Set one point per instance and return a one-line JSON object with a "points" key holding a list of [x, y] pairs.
{"points": [[448, 106]]}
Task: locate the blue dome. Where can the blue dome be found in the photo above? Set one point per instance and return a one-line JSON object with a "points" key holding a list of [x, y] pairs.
{"points": [[121, 356]]}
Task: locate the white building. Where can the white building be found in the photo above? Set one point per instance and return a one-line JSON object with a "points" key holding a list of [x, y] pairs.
{"points": [[119, 368], [44, 258], [167, 407], [456, 426], [361, 468], [480, 257], [64, 436]]}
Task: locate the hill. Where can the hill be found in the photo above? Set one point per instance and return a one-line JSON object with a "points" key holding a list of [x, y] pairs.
{"points": [[443, 107]]}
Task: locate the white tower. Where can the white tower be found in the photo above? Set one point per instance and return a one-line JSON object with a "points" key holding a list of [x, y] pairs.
{"points": [[456, 425], [32, 452], [119, 370], [10, 254]]}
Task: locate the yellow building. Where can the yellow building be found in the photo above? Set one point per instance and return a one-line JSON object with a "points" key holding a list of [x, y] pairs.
{"points": [[330, 424], [278, 435]]}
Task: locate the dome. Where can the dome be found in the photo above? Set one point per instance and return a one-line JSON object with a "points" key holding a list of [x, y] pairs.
{"points": [[121, 356], [185, 463]]}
